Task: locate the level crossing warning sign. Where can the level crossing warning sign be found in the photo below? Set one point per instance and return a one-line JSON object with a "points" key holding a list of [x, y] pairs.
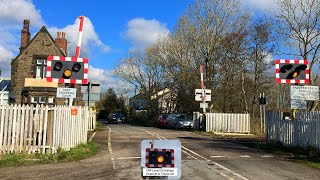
{"points": [[161, 158]]}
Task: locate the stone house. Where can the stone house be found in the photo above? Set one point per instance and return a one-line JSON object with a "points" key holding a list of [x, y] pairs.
{"points": [[28, 69]]}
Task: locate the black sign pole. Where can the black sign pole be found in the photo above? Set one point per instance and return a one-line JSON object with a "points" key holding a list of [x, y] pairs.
{"points": [[264, 112], [89, 91], [260, 99]]}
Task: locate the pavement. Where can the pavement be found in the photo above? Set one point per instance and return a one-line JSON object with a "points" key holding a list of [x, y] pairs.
{"points": [[203, 157]]}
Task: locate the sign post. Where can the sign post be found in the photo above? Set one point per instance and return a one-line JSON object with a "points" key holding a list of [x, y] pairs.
{"points": [[262, 103], [92, 87]]}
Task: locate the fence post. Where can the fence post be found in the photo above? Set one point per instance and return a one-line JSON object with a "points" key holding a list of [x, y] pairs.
{"points": [[50, 129]]}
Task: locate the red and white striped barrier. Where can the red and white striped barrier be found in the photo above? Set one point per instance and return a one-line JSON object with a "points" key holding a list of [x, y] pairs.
{"points": [[203, 89], [79, 37]]}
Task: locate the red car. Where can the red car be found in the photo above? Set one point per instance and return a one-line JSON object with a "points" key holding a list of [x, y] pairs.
{"points": [[161, 121]]}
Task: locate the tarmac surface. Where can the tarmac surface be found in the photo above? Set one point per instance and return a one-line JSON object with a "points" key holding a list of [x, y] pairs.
{"points": [[203, 157]]}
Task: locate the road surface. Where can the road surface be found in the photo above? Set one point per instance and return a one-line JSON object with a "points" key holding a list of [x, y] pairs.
{"points": [[202, 158]]}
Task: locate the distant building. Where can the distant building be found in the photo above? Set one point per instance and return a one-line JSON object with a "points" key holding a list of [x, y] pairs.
{"points": [[139, 102], [166, 100], [28, 69], [4, 90]]}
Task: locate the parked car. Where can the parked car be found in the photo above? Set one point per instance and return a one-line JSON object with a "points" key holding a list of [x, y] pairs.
{"points": [[161, 121], [179, 121], [116, 118]]}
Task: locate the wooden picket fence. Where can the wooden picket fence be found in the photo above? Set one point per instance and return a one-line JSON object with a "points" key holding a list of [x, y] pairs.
{"points": [[302, 132], [225, 122], [92, 121], [42, 129]]}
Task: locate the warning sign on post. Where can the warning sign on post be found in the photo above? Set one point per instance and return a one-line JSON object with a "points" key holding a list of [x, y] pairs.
{"points": [[66, 92], [310, 93], [161, 158]]}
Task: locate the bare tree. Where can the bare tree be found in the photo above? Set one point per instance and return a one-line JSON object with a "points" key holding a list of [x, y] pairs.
{"points": [[260, 48], [298, 27]]}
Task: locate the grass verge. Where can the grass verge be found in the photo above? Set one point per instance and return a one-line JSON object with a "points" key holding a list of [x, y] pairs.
{"points": [[80, 152], [99, 126]]}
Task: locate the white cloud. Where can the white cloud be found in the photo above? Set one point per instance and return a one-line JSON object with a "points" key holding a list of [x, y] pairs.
{"points": [[107, 79], [15, 11], [89, 37], [12, 14], [142, 32], [5, 59], [258, 5]]}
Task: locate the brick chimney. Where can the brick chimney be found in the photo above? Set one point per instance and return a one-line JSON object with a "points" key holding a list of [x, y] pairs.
{"points": [[61, 41], [25, 34]]}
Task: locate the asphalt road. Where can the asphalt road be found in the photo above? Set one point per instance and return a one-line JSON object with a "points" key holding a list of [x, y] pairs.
{"points": [[202, 158]]}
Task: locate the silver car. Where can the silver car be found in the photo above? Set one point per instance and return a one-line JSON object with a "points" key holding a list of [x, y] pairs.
{"points": [[179, 121]]}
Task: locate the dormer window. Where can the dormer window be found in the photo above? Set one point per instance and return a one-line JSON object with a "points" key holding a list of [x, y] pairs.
{"points": [[41, 68]]}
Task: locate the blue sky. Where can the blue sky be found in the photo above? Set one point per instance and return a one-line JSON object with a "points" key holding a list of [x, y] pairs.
{"points": [[111, 27]]}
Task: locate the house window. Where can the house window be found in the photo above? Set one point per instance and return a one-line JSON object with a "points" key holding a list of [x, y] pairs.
{"points": [[50, 100], [41, 68], [38, 100]]}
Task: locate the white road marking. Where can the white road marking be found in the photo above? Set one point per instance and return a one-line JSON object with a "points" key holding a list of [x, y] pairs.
{"points": [[222, 174], [125, 158], [267, 156], [287, 156], [245, 156], [92, 136], [217, 156], [110, 150], [185, 150]]}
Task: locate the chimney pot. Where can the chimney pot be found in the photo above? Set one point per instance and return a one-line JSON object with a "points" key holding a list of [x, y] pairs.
{"points": [[25, 34], [61, 41], [26, 24]]}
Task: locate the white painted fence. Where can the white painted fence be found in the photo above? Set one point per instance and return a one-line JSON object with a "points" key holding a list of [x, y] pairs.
{"points": [[92, 121], [302, 132], [39, 129], [225, 122]]}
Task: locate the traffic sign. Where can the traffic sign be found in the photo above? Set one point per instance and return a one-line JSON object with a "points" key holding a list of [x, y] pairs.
{"points": [[67, 70], [94, 85], [66, 92], [298, 104], [292, 71], [310, 93], [161, 158], [198, 94]]}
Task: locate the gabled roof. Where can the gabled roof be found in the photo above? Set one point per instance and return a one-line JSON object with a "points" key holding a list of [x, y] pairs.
{"points": [[138, 96], [42, 30]]}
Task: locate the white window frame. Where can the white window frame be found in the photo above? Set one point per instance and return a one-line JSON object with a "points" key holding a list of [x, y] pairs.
{"points": [[33, 99], [38, 99], [41, 101], [50, 100], [42, 63]]}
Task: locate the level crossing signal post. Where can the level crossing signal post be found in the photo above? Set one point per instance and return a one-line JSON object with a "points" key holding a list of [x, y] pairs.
{"points": [[294, 72], [69, 70]]}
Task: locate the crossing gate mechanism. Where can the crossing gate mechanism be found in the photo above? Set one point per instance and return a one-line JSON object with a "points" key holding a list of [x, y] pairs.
{"points": [[158, 158]]}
